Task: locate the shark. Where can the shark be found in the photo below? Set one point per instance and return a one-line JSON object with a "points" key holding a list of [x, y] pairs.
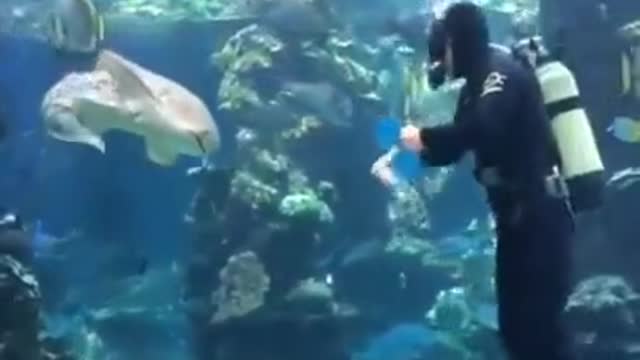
{"points": [[121, 95]]}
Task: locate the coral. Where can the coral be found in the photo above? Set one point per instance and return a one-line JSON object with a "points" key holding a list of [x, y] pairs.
{"points": [[311, 296], [335, 62], [450, 312], [250, 48], [306, 125], [253, 191], [311, 288], [243, 286], [176, 10], [467, 327], [269, 165], [306, 206], [234, 95], [408, 212], [404, 244], [253, 50]]}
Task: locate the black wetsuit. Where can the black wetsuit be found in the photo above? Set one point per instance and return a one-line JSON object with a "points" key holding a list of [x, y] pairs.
{"points": [[501, 119]]}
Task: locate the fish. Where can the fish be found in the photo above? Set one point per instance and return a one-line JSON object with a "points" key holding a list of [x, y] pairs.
{"points": [[75, 26], [296, 19], [121, 95], [624, 178], [625, 129], [331, 105]]}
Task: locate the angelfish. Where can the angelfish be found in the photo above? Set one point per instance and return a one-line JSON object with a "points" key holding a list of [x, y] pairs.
{"points": [[75, 26], [121, 95]]}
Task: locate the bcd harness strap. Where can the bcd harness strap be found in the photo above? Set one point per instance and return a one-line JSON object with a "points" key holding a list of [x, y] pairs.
{"points": [[561, 106]]}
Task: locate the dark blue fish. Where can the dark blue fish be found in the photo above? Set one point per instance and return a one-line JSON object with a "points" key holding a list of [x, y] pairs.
{"points": [[296, 19], [331, 105]]}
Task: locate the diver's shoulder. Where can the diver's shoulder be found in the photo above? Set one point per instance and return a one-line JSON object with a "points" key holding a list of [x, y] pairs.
{"points": [[504, 63], [501, 60]]}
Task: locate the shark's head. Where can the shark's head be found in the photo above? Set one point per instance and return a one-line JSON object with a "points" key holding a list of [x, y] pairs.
{"points": [[191, 124]]}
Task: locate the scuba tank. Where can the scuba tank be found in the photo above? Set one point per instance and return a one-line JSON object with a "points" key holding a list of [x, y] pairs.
{"points": [[581, 163]]}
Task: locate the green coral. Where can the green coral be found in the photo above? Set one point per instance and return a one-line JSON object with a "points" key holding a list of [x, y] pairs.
{"points": [[306, 206]]}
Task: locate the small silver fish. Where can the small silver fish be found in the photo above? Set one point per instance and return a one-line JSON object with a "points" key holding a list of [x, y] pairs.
{"points": [[75, 26]]}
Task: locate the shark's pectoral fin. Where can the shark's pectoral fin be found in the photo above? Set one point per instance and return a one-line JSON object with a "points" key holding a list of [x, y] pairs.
{"points": [[65, 126], [160, 154]]}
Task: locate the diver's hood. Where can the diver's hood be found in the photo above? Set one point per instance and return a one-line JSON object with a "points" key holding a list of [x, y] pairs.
{"points": [[466, 27], [436, 46], [437, 41]]}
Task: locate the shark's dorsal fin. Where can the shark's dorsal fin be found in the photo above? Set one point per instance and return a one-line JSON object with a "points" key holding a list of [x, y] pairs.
{"points": [[129, 83]]}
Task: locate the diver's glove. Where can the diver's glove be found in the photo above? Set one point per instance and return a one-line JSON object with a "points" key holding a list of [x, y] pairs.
{"points": [[382, 168], [411, 139]]}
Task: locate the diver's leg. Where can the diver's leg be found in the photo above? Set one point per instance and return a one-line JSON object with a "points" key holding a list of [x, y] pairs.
{"points": [[533, 282]]}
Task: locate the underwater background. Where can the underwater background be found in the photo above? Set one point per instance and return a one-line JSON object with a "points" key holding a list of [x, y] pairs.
{"points": [[283, 246]]}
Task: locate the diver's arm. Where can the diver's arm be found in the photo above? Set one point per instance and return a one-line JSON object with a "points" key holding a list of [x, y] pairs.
{"points": [[495, 107], [445, 144]]}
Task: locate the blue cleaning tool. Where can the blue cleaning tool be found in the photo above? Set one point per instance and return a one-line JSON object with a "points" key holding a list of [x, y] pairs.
{"points": [[388, 133], [405, 164]]}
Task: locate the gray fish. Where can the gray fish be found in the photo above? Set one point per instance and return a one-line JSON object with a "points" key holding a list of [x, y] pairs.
{"points": [[75, 25], [323, 99], [296, 19]]}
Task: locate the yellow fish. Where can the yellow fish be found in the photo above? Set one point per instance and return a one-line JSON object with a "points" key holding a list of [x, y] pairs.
{"points": [[625, 129]]}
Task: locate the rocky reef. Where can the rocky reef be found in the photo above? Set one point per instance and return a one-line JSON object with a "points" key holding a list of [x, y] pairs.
{"points": [[20, 296], [603, 311]]}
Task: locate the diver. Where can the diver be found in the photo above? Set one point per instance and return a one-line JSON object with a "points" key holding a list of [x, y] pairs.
{"points": [[501, 118]]}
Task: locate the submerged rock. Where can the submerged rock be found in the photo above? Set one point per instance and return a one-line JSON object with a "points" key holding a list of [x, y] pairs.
{"points": [[20, 300], [604, 312], [243, 286]]}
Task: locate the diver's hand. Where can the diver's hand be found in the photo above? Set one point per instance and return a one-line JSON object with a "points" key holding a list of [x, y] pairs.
{"points": [[381, 169], [410, 137]]}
